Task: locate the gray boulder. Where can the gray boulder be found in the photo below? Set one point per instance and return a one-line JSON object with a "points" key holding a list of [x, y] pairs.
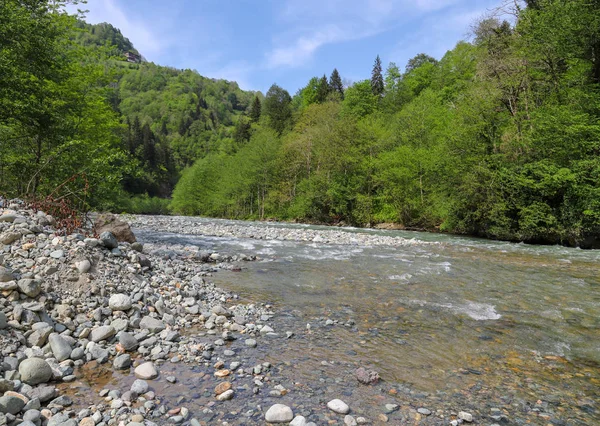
{"points": [[11, 404], [128, 342], [34, 371], [60, 347], [102, 333], [29, 287], [152, 324], [6, 275], [109, 240]]}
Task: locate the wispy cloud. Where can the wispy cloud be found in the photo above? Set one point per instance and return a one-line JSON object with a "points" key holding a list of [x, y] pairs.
{"points": [[337, 21], [303, 48]]}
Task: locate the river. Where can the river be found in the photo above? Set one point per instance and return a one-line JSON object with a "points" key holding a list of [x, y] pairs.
{"points": [[511, 331]]}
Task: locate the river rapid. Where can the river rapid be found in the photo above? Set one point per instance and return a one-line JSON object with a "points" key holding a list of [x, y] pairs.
{"points": [[509, 332]]}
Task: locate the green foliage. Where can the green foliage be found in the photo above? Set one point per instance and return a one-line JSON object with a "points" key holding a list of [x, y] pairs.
{"points": [[359, 100], [277, 108], [57, 129], [500, 138]]}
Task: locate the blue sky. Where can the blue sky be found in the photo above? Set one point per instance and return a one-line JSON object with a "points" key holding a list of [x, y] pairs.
{"points": [[261, 42]]}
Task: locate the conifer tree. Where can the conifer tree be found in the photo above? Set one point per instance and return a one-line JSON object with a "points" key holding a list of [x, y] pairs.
{"points": [[377, 78], [255, 110], [322, 89], [335, 83]]}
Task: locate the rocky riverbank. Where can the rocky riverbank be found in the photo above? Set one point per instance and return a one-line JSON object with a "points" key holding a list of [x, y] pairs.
{"points": [[264, 231], [99, 332], [68, 301]]}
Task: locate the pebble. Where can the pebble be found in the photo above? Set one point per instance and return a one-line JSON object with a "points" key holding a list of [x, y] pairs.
{"points": [[338, 406], [225, 396], [467, 417]]}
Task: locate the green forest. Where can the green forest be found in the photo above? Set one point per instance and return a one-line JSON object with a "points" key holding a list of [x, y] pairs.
{"points": [[499, 138]]}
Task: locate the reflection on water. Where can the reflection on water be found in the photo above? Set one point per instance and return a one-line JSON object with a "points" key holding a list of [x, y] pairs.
{"points": [[434, 316]]}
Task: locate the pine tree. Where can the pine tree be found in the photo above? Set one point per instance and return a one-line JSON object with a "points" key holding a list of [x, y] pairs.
{"points": [[255, 110], [322, 90], [335, 83], [377, 78]]}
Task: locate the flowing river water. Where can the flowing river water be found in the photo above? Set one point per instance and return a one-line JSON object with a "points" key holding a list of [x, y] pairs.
{"points": [[508, 331]]}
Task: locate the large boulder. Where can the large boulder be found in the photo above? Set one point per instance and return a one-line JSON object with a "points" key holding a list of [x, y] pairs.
{"points": [[119, 228], [34, 371]]}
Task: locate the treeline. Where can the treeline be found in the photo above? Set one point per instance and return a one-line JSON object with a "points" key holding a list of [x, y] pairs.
{"points": [[499, 138]]}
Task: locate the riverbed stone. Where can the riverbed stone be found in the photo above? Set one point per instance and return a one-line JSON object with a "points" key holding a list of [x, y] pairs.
{"points": [[222, 387], [122, 362], [146, 371], [29, 287], [3, 321], [109, 240], [60, 347], [467, 417], [102, 333], [298, 421], [338, 406], [279, 413], [128, 342], [34, 371], [119, 302], [225, 396], [152, 324], [6, 275], [11, 404], [139, 387], [83, 266]]}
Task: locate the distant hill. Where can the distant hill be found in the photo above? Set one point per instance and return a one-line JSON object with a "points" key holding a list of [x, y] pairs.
{"points": [[104, 34], [171, 117]]}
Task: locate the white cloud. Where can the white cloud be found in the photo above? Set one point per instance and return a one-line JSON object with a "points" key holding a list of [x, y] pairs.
{"points": [[312, 24], [303, 48]]}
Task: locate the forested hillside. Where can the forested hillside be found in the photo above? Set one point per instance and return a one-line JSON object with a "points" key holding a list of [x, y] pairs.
{"points": [[498, 138]]}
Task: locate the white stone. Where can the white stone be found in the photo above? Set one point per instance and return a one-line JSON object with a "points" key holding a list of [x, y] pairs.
{"points": [[338, 406], [83, 266], [467, 417], [279, 413], [119, 302], [228, 394], [298, 421], [146, 371]]}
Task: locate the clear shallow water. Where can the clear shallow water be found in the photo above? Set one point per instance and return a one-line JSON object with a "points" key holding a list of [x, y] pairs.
{"points": [[513, 317]]}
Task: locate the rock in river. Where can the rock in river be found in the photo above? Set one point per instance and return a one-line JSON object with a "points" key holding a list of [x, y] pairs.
{"points": [[146, 371], [279, 413], [338, 406]]}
